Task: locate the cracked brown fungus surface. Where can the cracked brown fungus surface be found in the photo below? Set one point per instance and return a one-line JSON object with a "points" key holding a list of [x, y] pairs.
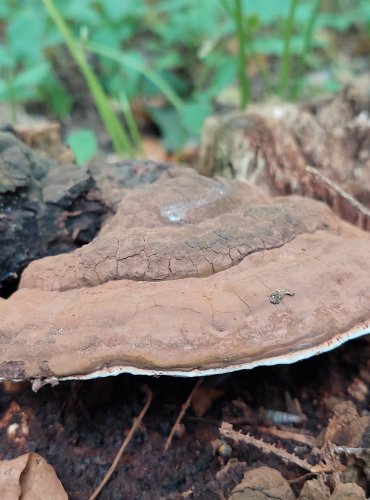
{"points": [[183, 281]]}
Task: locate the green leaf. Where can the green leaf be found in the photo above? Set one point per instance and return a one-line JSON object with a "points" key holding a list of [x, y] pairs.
{"points": [[32, 76], [364, 11], [108, 37], [81, 11], [194, 113], [268, 45], [338, 22], [169, 60], [84, 145], [5, 9], [56, 96], [24, 34], [267, 11], [188, 23], [117, 10], [224, 73], [127, 79], [6, 60], [24, 84], [168, 121], [11, 94], [275, 46]]}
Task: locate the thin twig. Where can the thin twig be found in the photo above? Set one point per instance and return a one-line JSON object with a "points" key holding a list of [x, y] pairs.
{"points": [[301, 478], [348, 450], [335, 187], [76, 386], [184, 407], [135, 425], [290, 435], [227, 431]]}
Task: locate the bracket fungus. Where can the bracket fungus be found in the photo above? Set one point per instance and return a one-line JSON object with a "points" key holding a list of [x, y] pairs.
{"points": [[180, 282]]}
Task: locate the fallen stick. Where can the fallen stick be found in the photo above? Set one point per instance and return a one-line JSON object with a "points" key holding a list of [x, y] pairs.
{"points": [[291, 435], [184, 407], [135, 425], [347, 450], [227, 431], [335, 187]]}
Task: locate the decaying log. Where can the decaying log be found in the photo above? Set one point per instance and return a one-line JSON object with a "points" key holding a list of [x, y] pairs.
{"points": [[271, 146], [47, 209]]}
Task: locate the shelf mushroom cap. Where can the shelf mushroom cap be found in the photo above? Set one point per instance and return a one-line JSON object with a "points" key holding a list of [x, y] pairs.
{"points": [[192, 276]]}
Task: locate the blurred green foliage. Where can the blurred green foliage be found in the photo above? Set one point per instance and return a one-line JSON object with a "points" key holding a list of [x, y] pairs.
{"points": [[84, 145], [186, 44]]}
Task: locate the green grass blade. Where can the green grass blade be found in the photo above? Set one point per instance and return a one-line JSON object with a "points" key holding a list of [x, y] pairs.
{"points": [[237, 15], [151, 75], [130, 120], [242, 55], [307, 44], [285, 63], [114, 128]]}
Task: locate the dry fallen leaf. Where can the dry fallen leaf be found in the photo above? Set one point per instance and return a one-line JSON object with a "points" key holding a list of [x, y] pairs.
{"points": [[29, 477], [153, 149], [203, 399], [262, 483], [346, 427]]}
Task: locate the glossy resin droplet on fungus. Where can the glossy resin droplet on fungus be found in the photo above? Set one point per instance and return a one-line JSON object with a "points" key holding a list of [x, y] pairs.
{"points": [[178, 281]]}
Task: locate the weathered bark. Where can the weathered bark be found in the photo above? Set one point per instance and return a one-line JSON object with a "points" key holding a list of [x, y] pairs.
{"points": [[272, 145], [46, 209]]}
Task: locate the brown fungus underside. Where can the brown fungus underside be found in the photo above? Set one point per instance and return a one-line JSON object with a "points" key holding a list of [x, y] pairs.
{"points": [[179, 281]]}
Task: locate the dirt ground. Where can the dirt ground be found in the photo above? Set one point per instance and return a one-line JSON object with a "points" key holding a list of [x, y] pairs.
{"points": [[79, 426]]}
